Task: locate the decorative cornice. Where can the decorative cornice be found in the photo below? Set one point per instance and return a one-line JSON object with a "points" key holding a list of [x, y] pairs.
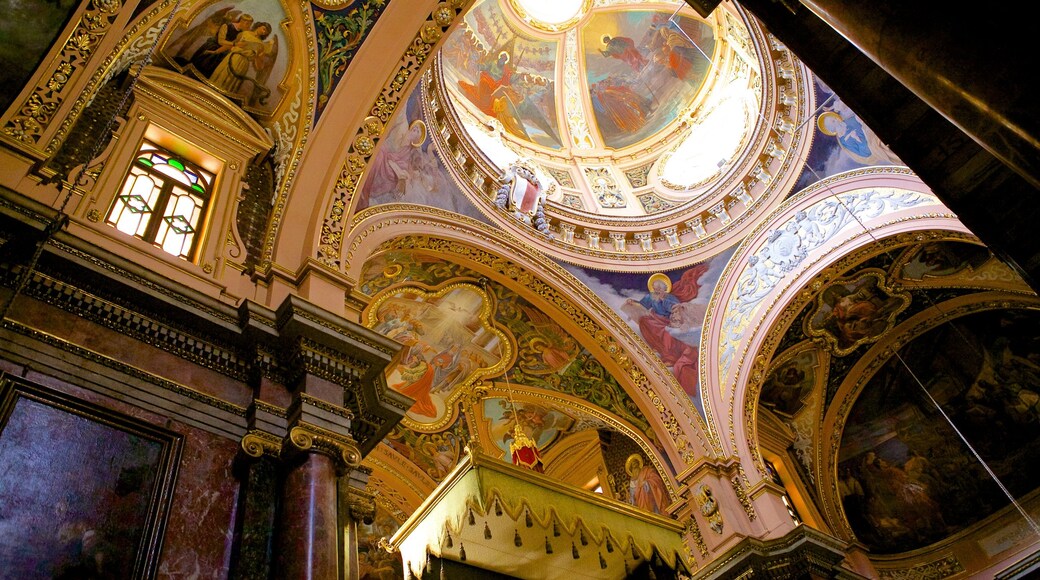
{"points": [[121, 367], [803, 552], [243, 344], [944, 567]]}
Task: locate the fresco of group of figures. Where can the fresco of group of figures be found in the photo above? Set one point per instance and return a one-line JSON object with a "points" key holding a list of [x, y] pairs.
{"points": [[542, 424], [239, 48], [505, 74], [374, 562], [944, 259], [642, 68], [429, 324], [905, 478], [435, 453]]}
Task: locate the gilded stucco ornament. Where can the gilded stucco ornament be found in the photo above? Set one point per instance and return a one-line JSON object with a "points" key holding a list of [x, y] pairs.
{"points": [[27, 127], [258, 443], [709, 507], [340, 448], [413, 60]]}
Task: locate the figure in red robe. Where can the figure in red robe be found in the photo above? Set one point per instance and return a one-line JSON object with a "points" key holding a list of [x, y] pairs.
{"points": [[655, 314], [623, 49], [417, 380], [494, 77]]}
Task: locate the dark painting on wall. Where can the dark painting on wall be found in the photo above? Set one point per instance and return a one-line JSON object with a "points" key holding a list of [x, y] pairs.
{"points": [[27, 31], [906, 478], [84, 492]]}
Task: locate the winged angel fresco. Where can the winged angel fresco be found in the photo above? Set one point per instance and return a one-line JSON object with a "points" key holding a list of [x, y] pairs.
{"points": [[233, 51]]}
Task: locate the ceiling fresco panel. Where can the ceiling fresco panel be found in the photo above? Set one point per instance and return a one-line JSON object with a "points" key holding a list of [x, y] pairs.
{"points": [[449, 342], [900, 459], [239, 48], [506, 74], [640, 68]]}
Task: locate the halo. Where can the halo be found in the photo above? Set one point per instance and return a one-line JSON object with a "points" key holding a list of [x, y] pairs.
{"points": [[422, 137], [823, 126], [633, 464], [662, 277]]}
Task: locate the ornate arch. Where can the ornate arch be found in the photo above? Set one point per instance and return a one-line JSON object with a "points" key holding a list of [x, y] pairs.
{"points": [[544, 283], [847, 213]]}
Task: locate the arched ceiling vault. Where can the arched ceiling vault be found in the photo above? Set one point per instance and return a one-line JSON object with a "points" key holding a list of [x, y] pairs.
{"points": [[579, 313], [878, 370], [805, 235]]}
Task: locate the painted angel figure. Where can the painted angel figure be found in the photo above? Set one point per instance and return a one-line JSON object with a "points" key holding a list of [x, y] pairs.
{"points": [[247, 66], [184, 47]]}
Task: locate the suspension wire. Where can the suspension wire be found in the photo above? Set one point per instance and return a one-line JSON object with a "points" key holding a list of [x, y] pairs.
{"points": [[972, 345], [61, 219], [1029, 519]]}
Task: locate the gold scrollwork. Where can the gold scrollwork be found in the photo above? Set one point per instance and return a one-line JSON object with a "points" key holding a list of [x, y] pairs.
{"points": [[259, 443], [742, 497], [311, 438], [36, 113]]}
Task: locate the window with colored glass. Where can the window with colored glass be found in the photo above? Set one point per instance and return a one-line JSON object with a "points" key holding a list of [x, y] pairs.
{"points": [[163, 201]]}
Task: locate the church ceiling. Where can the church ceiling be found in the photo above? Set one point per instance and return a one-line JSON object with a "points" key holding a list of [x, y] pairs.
{"points": [[658, 143], [415, 164], [884, 356], [648, 129]]}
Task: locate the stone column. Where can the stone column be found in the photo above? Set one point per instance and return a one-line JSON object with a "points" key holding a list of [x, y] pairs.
{"points": [[357, 506], [307, 539], [307, 542]]}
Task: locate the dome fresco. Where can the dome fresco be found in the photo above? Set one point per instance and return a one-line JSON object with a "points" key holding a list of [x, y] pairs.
{"points": [[641, 69], [620, 79], [652, 132]]}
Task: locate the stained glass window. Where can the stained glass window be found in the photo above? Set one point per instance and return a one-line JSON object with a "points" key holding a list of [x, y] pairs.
{"points": [[163, 201]]}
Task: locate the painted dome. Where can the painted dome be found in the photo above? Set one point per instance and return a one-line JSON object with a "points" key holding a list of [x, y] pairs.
{"points": [[653, 131]]}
